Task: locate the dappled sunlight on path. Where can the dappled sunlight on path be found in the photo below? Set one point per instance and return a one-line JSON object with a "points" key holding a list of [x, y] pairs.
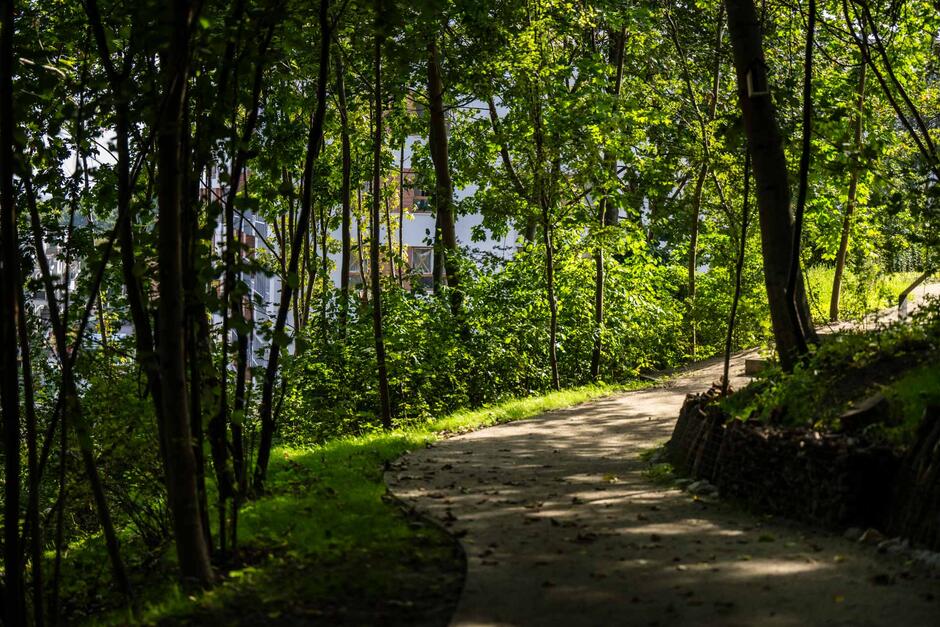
{"points": [[563, 525]]}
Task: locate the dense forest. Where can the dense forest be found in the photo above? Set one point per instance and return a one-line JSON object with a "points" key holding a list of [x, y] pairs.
{"points": [[677, 179]]}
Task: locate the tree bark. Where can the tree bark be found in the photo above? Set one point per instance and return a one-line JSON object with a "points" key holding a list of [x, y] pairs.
{"points": [[703, 122], [446, 232], [314, 143], [345, 192], [738, 269], [850, 200], [799, 330], [192, 552], [609, 213], [770, 173], [374, 241], [32, 507], [14, 601]]}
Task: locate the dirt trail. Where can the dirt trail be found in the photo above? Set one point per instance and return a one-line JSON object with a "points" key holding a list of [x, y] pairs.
{"points": [[562, 525]]}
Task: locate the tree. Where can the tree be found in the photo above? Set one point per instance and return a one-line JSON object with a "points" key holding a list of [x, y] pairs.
{"points": [[191, 549], [770, 173]]}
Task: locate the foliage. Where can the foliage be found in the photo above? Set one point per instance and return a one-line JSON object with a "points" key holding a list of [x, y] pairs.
{"points": [[898, 359], [327, 517]]}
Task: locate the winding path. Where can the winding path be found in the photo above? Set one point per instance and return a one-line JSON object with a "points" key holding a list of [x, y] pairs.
{"points": [[563, 525]]}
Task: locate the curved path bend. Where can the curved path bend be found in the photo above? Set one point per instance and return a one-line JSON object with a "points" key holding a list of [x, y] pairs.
{"points": [[563, 525]]}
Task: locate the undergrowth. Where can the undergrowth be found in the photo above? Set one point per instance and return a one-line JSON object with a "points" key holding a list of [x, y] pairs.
{"points": [[326, 544], [899, 360]]}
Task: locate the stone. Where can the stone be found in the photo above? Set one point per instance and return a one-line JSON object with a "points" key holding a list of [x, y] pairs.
{"points": [[871, 410], [753, 367], [872, 536], [702, 488]]}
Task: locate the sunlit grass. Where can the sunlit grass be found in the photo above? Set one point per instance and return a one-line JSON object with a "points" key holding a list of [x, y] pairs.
{"points": [[860, 295], [328, 531]]}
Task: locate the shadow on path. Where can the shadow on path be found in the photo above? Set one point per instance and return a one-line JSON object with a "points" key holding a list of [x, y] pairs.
{"points": [[563, 525]]}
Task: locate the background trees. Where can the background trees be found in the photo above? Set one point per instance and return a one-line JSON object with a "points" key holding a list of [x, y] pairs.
{"points": [[161, 162]]}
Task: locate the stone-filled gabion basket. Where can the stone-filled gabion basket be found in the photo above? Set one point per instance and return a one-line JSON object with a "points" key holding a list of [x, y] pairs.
{"points": [[832, 479]]}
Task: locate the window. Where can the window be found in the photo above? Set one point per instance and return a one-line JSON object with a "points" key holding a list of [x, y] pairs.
{"points": [[421, 260], [415, 196]]}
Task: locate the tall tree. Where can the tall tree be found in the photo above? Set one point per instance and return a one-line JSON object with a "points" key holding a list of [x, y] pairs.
{"points": [[191, 548], [279, 338], [446, 232], [385, 409], [856, 167], [770, 174], [14, 600]]}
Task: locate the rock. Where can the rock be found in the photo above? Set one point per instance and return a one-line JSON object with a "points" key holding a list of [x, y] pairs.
{"points": [[852, 533], [871, 410], [753, 367], [683, 483], [702, 488], [872, 536], [893, 546], [929, 560]]}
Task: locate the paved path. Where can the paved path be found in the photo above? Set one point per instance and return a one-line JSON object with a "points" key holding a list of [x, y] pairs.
{"points": [[562, 525]]}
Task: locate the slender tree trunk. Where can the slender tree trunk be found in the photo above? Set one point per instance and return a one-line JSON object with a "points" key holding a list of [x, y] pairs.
{"points": [[324, 274], [32, 508], [738, 269], [14, 601], [529, 221], [359, 242], [401, 214], [145, 352], [192, 552], [706, 155], [446, 233], [609, 214], [541, 193], [770, 172], [345, 192], [71, 408], [850, 200], [279, 339], [800, 326], [233, 306], [376, 278], [192, 307]]}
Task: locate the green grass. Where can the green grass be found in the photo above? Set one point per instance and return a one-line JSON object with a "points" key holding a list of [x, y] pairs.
{"points": [[899, 360], [908, 396], [329, 545], [861, 294]]}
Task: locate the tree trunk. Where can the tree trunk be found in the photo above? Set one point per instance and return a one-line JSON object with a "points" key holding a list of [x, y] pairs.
{"points": [[32, 508], [314, 142], [799, 328], [374, 241], [706, 153], [446, 233], [770, 173], [14, 601], [738, 269], [850, 200], [345, 192], [609, 215], [192, 552]]}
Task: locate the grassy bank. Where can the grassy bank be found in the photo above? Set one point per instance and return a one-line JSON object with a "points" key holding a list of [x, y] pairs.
{"points": [[328, 545], [899, 361], [861, 294]]}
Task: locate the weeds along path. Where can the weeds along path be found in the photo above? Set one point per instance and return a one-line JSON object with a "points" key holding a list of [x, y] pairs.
{"points": [[563, 525]]}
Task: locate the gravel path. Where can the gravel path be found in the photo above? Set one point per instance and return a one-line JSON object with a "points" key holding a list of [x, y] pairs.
{"points": [[563, 525]]}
